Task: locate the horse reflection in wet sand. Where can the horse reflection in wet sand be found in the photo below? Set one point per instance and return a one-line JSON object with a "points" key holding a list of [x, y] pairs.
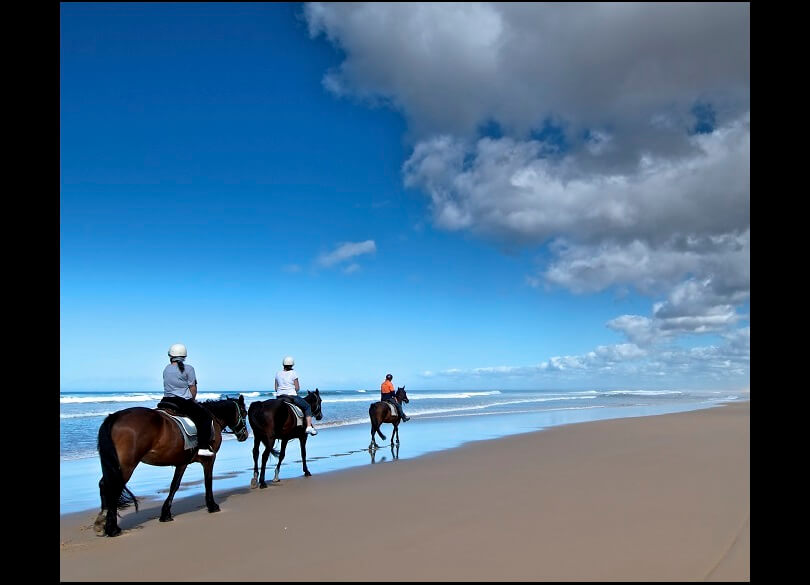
{"points": [[380, 413], [394, 454]]}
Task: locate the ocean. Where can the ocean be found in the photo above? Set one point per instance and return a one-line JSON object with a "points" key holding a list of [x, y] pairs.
{"points": [[441, 419]]}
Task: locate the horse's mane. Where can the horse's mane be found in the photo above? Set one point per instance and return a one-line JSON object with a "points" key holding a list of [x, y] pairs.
{"points": [[216, 406]]}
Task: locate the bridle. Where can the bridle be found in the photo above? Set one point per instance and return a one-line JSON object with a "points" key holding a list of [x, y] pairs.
{"points": [[240, 426], [317, 402]]}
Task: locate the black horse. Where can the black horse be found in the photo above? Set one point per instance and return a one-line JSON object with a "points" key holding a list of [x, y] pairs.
{"points": [[271, 420], [380, 412], [132, 435]]}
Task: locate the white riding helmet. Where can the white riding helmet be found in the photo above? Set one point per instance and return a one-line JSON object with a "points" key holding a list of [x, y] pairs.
{"points": [[288, 361], [178, 350]]}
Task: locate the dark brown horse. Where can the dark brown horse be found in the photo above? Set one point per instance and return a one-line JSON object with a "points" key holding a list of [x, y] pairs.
{"points": [[380, 413], [271, 420], [132, 435]]}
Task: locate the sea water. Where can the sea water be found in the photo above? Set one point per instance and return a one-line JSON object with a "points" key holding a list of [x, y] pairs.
{"points": [[441, 419]]}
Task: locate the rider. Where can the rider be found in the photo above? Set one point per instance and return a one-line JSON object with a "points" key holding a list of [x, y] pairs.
{"points": [[387, 395], [287, 388], [180, 390]]}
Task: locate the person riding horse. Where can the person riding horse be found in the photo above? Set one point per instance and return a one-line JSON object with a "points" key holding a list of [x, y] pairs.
{"points": [[180, 392], [387, 394], [287, 388]]}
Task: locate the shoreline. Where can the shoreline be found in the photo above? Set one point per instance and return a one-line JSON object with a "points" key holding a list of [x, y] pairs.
{"points": [[342, 447], [657, 497]]}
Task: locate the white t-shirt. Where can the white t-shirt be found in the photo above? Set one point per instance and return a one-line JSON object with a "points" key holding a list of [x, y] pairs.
{"points": [[286, 382]]}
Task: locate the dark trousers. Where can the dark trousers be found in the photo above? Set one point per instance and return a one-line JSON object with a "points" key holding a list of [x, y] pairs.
{"points": [[200, 416], [396, 403]]}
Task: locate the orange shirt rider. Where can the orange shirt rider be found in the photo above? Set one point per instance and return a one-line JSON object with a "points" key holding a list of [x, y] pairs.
{"points": [[387, 390]]}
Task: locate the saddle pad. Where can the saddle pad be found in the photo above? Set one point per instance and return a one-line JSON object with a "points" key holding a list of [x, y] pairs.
{"points": [[187, 428], [298, 413], [392, 408]]}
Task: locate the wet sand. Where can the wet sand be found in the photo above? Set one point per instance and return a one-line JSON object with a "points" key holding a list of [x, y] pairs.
{"points": [[651, 498]]}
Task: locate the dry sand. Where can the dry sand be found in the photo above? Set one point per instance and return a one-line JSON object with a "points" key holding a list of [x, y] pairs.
{"points": [[652, 498]]}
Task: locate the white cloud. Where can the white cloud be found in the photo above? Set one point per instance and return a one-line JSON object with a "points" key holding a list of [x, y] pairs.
{"points": [[727, 361], [592, 149], [346, 251], [452, 66], [512, 189]]}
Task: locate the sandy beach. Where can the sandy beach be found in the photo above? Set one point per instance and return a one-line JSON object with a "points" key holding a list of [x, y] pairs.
{"points": [[651, 498]]}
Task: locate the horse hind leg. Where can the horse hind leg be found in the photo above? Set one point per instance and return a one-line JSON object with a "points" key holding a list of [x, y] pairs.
{"points": [[98, 525], [280, 459], [268, 447], [373, 444]]}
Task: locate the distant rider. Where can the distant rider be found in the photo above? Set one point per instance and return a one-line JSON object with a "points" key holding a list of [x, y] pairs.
{"points": [[387, 394]]}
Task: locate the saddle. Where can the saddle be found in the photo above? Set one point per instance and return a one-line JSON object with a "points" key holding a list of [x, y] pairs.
{"points": [[296, 411], [187, 427]]}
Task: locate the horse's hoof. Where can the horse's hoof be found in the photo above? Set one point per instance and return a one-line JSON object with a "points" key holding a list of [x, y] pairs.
{"points": [[212, 509], [276, 480], [115, 532], [253, 484], [166, 519], [307, 474], [262, 485]]}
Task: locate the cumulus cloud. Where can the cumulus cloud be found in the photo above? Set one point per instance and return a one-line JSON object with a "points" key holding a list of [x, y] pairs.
{"points": [[727, 361], [346, 251], [451, 66], [616, 137]]}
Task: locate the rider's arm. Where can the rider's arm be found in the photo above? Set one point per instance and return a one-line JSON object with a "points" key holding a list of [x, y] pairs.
{"points": [[297, 387], [193, 390], [276, 384]]}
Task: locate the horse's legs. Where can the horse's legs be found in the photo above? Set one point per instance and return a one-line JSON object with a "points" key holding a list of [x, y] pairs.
{"points": [[208, 470], [166, 510], [98, 525], [268, 447], [111, 497], [256, 440], [280, 459], [396, 432], [304, 454], [376, 423]]}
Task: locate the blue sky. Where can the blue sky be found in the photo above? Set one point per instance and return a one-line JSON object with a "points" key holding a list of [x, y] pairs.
{"points": [[258, 180]]}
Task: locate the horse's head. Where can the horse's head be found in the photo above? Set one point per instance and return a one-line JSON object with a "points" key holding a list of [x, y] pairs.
{"points": [[401, 395], [239, 422], [314, 399]]}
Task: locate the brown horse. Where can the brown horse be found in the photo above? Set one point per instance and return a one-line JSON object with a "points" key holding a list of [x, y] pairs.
{"points": [[380, 413], [271, 420], [137, 434]]}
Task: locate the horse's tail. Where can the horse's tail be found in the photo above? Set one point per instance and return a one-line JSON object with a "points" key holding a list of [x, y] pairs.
{"points": [[375, 424], [112, 478]]}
